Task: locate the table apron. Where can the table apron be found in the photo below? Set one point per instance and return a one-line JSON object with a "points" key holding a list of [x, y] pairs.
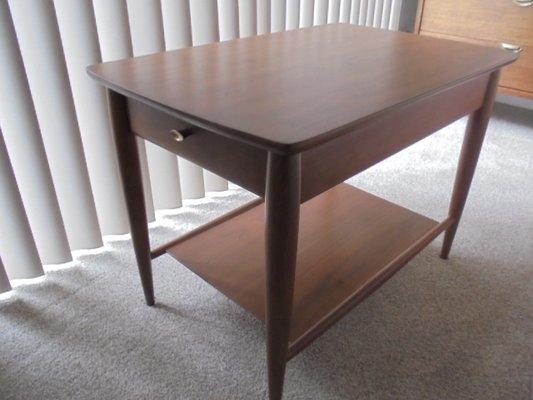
{"points": [[337, 160], [326, 165]]}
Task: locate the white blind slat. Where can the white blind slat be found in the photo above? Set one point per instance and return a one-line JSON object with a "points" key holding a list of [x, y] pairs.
{"points": [[191, 179], [17, 247], [386, 14], [346, 8], [26, 149], [279, 8], [228, 19], [263, 17], [369, 12], [146, 26], [113, 29], [177, 30], [362, 12], [396, 9], [320, 12], [5, 286], [115, 43], [293, 14], [47, 75], [334, 11], [204, 18], [307, 11], [356, 9], [80, 44], [378, 13], [176, 24], [247, 18]]}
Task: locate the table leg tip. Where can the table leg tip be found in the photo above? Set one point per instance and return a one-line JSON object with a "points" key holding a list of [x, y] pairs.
{"points": [[150, 302]]}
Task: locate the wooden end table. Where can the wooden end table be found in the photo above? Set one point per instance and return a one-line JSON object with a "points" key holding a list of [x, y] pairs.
{"points": [[290, 116]]}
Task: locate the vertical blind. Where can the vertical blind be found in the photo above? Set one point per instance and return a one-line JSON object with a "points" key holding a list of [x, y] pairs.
{"points": [[59, 182]]}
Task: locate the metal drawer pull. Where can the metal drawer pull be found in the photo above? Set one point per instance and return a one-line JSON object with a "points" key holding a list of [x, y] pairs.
{"points": [[180, 136], [512, 47], [523, 3]]}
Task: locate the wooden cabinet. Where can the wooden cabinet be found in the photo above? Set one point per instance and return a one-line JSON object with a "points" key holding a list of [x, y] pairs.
{"points": [[495, 23]]}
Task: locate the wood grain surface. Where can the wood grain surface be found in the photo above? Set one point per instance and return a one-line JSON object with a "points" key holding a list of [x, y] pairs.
{"points": [[498, 20], [486, 23], [291, 91], [517, 76], [347, 238]]}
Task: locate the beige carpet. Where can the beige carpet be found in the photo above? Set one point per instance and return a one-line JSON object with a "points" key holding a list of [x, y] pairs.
{"points": [[461, 329]]}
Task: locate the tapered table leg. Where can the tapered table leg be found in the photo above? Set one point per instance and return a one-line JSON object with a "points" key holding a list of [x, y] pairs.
{"points": [[474, 135], [282, 219], [130, 170]]}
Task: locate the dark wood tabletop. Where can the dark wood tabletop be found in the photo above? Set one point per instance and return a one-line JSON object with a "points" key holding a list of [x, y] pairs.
{"points": [[297, 89]]}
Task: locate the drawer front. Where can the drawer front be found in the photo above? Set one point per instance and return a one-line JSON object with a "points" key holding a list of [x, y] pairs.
{"points": [[240, 163], [492, 20], [518, 76]]}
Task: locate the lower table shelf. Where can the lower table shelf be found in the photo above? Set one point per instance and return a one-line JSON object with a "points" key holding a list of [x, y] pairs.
{"points": [[350, 242]]}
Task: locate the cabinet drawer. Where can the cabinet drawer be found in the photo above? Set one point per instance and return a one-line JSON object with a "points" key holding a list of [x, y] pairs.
{"points": [[238, 162], [492, 20], [517, 76]]}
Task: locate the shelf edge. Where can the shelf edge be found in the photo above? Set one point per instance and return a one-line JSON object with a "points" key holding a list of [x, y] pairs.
{"points": [[380, 278], [160, 250]]}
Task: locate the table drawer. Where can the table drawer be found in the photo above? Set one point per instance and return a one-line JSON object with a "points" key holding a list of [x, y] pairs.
{"points": [[238, 162], [517, 76], [492, 20]]}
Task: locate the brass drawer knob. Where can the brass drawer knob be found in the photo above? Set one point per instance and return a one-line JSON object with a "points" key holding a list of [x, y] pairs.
{"points": [[179, 136], [523, 3], [512, 47]]}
